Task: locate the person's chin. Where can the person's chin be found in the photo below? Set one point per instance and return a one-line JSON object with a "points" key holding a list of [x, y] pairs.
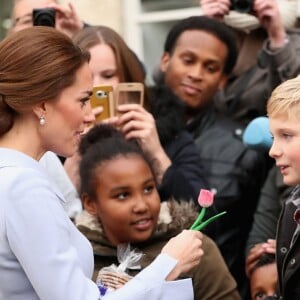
{"points": [[70, 151], [142, 237], [290, 181]]}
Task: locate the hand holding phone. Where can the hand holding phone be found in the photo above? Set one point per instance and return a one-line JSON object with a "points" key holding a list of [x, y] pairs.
{"points": [[129, 93]]}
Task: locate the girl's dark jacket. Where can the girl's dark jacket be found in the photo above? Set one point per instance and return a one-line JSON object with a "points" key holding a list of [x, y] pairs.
{"points": [[211, 278]]}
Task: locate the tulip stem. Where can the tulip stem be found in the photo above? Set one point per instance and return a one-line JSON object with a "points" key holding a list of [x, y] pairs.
{"points": [[199, 219], [205, 223]]}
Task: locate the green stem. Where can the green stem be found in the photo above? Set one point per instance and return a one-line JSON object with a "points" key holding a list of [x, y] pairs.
{"points": [[199, 219], [201, 226]]}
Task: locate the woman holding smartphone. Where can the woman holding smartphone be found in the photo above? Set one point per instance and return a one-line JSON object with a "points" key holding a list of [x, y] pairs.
{"points": [[45, 86]]}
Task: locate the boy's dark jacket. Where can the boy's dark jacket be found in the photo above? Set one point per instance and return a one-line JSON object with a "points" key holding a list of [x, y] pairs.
{"points": [[288, 249], [211, 279], [273, 195]]}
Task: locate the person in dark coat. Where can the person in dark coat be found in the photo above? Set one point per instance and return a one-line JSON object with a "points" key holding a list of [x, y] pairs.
{"points": [[199, 54]]}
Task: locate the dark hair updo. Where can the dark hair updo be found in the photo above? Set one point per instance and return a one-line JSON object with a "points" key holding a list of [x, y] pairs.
{"points": [[37, 64]]}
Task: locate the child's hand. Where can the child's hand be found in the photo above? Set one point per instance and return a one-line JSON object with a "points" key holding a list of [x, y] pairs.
{"points": [[256, 251], [186, 247]]}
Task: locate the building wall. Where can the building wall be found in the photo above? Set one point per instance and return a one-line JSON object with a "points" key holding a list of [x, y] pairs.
{"points": [[96, 12]]}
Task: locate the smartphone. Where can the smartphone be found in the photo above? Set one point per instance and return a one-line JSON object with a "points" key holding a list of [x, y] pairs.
{"points": [[103, 96], [129, 92]]}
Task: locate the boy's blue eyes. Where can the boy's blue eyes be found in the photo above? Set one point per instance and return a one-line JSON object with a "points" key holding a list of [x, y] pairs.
{"points": [[286, 135]]}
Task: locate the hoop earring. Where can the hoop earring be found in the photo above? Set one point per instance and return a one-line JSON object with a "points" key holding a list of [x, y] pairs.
{"points": [[42, 120]]}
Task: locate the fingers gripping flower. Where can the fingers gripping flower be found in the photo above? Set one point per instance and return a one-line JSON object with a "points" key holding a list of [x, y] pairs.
{"points": [[205, 200]]}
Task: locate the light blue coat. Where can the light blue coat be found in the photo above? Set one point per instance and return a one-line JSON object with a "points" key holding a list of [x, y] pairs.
{"points": [[43, 255]]}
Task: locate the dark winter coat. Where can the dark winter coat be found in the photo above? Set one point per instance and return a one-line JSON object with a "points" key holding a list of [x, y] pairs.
{"points": [[288, 249], [273, 195]]}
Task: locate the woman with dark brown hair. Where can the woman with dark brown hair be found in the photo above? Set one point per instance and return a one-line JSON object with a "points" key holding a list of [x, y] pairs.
{"points": [[45, 86]]}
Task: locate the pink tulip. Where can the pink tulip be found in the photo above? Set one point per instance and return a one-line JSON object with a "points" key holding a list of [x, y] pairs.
{"points": [[205, 198]]}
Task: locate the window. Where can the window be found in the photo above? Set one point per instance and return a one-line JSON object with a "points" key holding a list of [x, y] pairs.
{"points": [[4, 16], [147, 23]]}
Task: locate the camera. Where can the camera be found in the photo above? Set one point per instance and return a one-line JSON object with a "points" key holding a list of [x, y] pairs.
{"points": [[242, 6], [43, 17]]}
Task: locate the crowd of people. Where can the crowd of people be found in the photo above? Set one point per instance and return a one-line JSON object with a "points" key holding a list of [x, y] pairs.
{"points": [[103, 210]]}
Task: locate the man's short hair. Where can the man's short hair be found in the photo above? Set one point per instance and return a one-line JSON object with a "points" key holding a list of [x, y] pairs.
{"points": [[211, 26]]}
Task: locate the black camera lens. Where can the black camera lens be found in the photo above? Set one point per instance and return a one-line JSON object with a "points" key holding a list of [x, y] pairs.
{"points": [[44, 17], [242, 6]]}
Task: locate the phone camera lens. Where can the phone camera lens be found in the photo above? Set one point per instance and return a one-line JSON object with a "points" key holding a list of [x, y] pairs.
{"points": [[101, 94]]}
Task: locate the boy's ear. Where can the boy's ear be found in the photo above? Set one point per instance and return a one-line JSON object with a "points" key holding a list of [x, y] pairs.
{"points": [[223, 82], [89, 205], [164, 62]]}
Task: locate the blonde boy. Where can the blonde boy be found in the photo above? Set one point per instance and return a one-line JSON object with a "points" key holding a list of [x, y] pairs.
{"points": [[284, 113]]}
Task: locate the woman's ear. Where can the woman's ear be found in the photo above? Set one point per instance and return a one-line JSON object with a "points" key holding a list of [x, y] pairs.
{"points": [[39, 109], [88, 204]]}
